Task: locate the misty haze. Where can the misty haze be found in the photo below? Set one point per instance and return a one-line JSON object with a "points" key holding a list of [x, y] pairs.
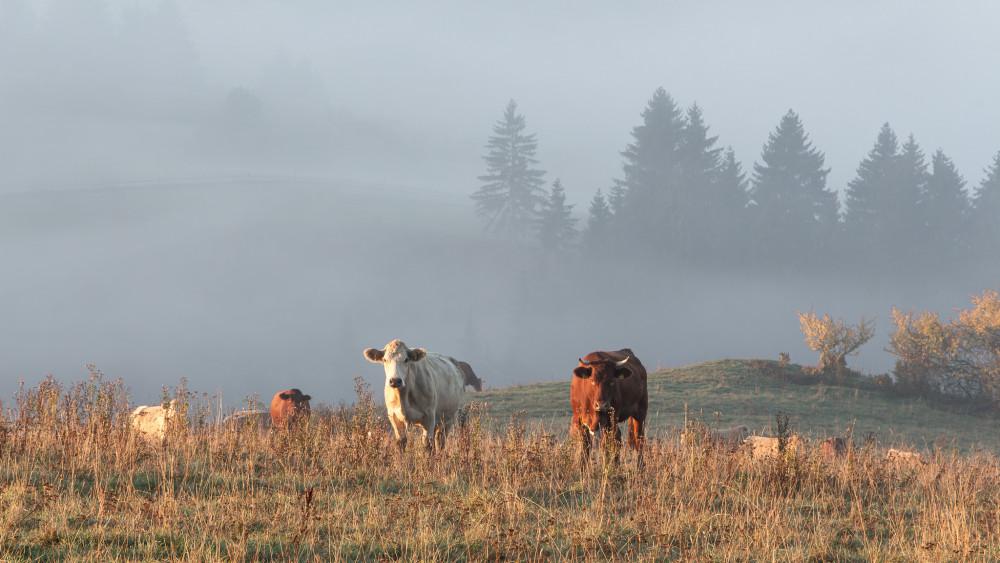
{"points": [[249, 194]]}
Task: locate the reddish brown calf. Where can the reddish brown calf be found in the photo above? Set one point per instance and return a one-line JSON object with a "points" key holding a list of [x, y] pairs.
{"points": [[288, 406], [832, 448]]}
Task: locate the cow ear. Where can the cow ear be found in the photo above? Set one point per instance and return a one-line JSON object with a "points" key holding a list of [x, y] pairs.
{"points": [[622, 373], [416, 354], [306, 398], [284, 396], [583, 372], [374, 355]]}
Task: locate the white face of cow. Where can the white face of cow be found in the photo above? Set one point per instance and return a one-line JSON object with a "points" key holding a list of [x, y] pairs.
{"points": [[395, 358]]}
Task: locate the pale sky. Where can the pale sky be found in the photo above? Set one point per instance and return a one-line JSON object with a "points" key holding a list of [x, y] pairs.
{"points": [[582, 72], [242, 283]]}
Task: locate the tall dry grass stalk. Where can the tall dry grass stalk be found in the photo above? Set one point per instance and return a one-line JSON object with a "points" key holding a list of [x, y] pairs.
{"points": [[76, 484]]}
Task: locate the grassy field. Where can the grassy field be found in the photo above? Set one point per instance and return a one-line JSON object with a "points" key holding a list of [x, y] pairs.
{"points": [[727, 393], [76, 484]]}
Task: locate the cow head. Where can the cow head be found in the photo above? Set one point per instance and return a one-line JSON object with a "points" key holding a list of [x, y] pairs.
{"points": [[289, 406], [606, 377], [470, 376], [299, 403], [394, 358]]}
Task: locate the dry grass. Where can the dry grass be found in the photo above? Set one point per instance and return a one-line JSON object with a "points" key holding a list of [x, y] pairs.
{"points": [[75, 484]]}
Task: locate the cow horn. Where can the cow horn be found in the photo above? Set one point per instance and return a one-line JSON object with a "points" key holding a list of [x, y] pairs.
{"points": [[622, 363], [583, 362]]}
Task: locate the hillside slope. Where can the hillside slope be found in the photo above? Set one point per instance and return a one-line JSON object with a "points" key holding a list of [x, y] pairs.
{"points": [[739, 395]]}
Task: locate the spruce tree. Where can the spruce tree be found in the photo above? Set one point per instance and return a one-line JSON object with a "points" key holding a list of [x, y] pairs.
{"points": [[986, 214], [555, 227], [731, 219], [864, 201], [646, 198], [905, 212], [616, 195], [880, 219], [597, 232], [945, 211], [733, 185], [694, 220], [513, 189], [913, 179], [698, 158], [795, 215]]}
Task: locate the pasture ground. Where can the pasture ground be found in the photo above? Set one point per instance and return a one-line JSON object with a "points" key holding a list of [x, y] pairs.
{"points": [[726, 393], [76, 484]]}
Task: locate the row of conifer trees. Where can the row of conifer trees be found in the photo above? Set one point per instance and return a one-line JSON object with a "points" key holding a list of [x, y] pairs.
{"points": [[684, 199]]}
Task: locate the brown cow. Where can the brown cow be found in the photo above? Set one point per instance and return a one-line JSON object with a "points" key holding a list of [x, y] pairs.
{"points": [[288, 406], [470, 376], [609, 388], [832, 448]]}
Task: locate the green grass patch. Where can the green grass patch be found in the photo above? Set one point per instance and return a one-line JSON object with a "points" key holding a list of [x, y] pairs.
{"points": [[726, 393]]}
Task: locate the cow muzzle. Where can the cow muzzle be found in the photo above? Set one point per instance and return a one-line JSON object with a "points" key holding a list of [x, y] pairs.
{"points": [[395, 383], [602, 407]]}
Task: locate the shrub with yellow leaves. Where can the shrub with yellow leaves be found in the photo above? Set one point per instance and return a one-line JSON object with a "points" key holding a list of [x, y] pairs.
{"points": [[923, 346], [959, 358], [834, 340]]}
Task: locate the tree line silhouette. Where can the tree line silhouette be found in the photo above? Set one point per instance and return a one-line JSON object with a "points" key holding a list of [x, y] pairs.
{"points": [[681, 196], [682, 199]]}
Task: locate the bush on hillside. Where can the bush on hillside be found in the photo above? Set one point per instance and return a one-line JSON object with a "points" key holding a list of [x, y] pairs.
{"points": [[834, 340], [959, 358], [784, 370], [922, 345]]}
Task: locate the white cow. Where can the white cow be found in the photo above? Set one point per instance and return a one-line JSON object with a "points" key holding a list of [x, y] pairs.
{"points": [[150, 423], [769, 447], [256, 419], [905, 457], [421, 388]]}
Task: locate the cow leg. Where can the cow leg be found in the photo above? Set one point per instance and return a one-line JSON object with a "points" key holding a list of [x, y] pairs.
{"points": [[637, 436], [439, 435], [429, 429], [399, 427], [443, 426]]}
